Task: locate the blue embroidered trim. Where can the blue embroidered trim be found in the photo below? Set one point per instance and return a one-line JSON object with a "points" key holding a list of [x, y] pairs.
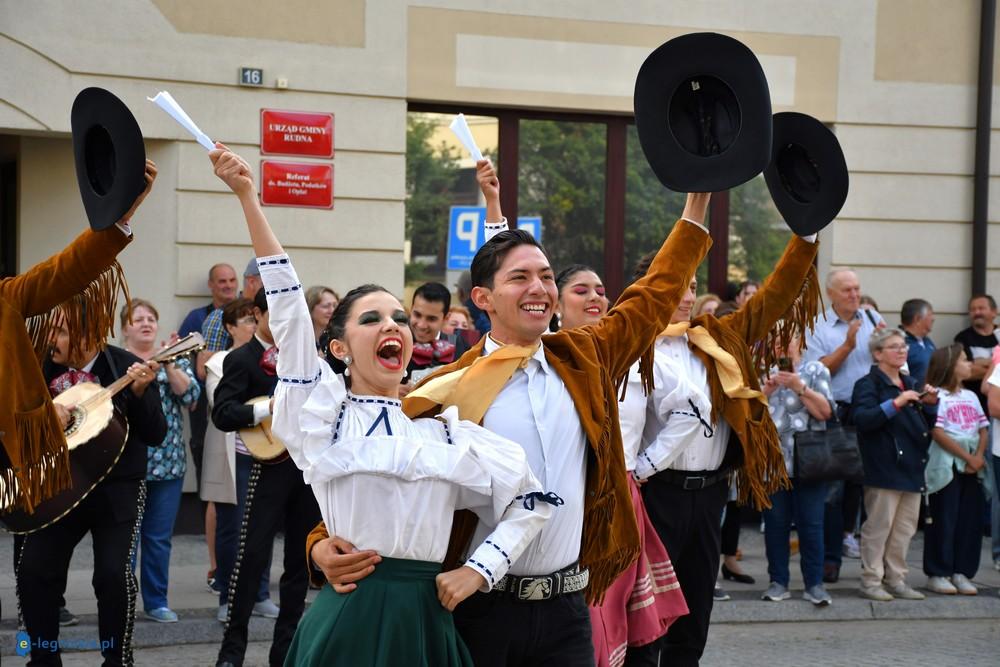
{"points": [[270, 262], [484, 568], [649, 461], [549, 497], [447, 432], [283, 290], [506, 557], [382, 417], [340, 420], [708, 431], [374, 399], [300, 380]]}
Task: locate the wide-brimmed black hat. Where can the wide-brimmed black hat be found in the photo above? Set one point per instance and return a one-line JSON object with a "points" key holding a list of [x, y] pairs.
{"points": [[703, 112], [807, 176], [110, 156]]}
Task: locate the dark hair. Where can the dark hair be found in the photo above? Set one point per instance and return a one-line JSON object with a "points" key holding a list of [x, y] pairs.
{"points": [[434, 293], [236, 310], [993, 302], [745, 284], [912, 310], [562, 278], [941, 371], [489, 257], [642, 266], [260, 300], [338, 322]]}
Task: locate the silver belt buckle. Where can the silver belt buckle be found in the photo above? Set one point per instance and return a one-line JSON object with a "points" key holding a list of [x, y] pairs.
{"points": [[534, 588]]}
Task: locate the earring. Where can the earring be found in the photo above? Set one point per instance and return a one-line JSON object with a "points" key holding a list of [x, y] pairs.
{"points": [[347, 362]]}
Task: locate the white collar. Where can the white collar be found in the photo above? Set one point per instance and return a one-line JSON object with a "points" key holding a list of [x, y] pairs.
{"points": [[491, 345], [267, 346]]}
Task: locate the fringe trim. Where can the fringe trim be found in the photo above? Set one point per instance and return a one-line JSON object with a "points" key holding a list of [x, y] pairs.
{"points": [[44, 469], [794, 323], [90, 315]]}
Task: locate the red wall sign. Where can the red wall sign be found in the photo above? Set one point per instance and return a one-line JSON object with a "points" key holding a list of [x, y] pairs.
{"points": [[296, 133], [296, 184]]}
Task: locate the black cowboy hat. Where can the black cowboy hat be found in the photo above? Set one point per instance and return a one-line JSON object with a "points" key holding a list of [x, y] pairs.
{"points": [[110, 156], [807, 176], [703, 112]]}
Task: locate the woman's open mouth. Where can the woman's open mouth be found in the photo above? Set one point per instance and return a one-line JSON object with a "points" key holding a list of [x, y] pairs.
{"points": [[390, 353]]}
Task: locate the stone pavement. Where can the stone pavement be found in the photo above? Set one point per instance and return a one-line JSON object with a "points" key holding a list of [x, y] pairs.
{"points": [[738, 622]]}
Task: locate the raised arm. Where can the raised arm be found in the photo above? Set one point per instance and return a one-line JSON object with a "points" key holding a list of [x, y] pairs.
{"points": [[645, 307], [63, 276], [757, 317], [237, 174]]}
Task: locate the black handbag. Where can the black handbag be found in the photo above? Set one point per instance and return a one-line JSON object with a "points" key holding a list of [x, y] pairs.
{"points": [[827, 456]]}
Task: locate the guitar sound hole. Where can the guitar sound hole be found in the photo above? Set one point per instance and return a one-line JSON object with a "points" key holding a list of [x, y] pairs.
{"points": [[76, 418]]}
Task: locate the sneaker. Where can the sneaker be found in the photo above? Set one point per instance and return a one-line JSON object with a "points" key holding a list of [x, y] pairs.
{"points": [[941, 586], [964, 586], [876, 593], [223, 612], [266, 608], [851, 548], [776, 593], [210, 582], [161, 615], [719, 595], [817, 595], [903, 591], [66, 618]]}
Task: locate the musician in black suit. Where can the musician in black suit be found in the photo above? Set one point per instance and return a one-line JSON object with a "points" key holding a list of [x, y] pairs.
{"points": [[111, 512], [277, 498]]}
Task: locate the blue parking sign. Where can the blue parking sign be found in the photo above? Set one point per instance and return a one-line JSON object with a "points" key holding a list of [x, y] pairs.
{"points": [[465, 235]]}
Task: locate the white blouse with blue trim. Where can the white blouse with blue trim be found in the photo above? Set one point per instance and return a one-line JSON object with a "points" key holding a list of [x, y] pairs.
{"points": [[382, 480]]}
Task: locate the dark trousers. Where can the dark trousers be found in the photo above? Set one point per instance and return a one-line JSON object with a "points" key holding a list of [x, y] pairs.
{"points": [[953, 538], [228, 519], [731, 529], [689, 525], [111, 513], [840, 516], [502, 631], [804, 502], [278, 499], [199, 423]]}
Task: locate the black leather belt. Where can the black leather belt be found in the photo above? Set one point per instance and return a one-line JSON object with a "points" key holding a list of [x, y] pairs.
{"points": [[693, 481], [544, 587]]}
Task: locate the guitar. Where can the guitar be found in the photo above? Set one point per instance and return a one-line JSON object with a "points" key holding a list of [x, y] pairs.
{"points": [[95, 436], [262, 444]]}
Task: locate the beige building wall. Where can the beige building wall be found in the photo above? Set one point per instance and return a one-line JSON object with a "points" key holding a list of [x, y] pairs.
{"points": [[895, 78]]}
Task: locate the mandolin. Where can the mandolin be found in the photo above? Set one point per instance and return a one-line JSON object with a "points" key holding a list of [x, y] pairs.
{"points": [[262, 444], [95, 436]]}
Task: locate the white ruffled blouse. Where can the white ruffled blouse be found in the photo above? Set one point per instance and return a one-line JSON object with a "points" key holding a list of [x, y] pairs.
{"points": [[382, 480]]}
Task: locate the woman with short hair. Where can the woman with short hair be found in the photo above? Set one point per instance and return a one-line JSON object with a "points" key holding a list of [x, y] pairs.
{"points": [[893, 425]]}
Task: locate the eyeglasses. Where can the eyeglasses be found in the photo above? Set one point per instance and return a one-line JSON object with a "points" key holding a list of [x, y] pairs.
{"points": [[897, 348], [249, 319]]}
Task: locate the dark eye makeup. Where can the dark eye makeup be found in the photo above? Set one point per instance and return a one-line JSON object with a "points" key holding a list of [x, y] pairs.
{"points": [[373, 317]]}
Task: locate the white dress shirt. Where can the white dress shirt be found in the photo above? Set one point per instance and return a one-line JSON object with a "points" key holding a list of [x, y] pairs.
{"points": [[632, 417], [678, 433], [384, 481], [535, 410]]}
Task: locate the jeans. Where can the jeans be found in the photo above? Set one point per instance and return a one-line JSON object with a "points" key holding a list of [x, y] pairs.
{"points": [[228, 519], [163, 498], [805, 503]]}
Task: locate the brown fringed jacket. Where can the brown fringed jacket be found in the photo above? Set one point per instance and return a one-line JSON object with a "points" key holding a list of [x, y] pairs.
{"points": [[84, 279], [592, 361], [786, 303]]}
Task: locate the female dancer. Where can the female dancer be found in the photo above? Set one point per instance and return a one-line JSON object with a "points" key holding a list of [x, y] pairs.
{"points": [[646, 598], [383, 481]]}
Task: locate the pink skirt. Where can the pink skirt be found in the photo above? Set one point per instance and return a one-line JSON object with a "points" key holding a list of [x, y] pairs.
{"points": [[643, 601]]}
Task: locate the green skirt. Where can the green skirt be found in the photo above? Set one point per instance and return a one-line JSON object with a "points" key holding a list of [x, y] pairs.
{"points": [[392, 619]]}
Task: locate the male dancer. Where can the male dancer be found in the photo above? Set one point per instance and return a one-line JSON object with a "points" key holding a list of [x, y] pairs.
{"points": [[707, 421], [559, 401], [111, 512], [277, 498]]}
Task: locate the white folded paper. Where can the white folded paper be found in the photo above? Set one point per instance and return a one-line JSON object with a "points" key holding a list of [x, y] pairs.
{"points": [[165, 101], [461, 130]]}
